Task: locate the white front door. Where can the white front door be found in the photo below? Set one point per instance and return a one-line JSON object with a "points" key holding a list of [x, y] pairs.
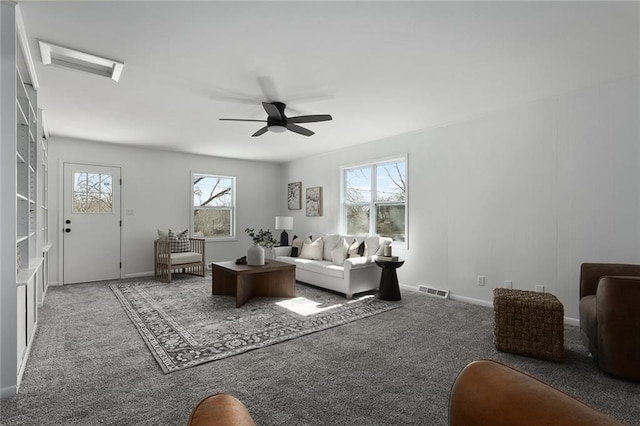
{"points": [[91, 223]]}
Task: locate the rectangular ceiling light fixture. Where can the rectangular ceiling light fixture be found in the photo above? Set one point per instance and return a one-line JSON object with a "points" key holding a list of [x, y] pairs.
{"points": [[79, 61]]}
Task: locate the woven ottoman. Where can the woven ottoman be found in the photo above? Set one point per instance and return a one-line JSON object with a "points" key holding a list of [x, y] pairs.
{"points": [[528, 323]]}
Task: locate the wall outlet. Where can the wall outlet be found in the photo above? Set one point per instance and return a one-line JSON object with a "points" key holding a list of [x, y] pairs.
{"points": [[540, 288], [508, 284], [480, 280]]}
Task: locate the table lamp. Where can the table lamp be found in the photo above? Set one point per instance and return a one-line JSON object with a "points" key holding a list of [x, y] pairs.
{"points": [[284, 223]]}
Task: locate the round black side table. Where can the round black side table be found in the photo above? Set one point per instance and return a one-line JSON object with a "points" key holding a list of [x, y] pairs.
{"points": [[389, 288]]}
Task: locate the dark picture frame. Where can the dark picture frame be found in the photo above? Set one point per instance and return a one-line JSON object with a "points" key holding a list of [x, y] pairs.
{"points": [[314, 201], [294, 196]]}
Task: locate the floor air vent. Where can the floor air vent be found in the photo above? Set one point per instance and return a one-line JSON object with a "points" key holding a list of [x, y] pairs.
{"points": [[435, 292]]}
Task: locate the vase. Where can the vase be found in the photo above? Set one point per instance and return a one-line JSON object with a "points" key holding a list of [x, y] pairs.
{"points": [[255, 255]]}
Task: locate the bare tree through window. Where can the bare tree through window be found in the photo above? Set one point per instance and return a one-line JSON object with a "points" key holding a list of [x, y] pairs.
{"points": [[213, 206], [379, 190], [92, 192]]}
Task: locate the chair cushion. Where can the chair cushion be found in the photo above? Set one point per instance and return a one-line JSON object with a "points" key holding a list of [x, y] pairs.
{"points": [[185, 257], [179, 242]]}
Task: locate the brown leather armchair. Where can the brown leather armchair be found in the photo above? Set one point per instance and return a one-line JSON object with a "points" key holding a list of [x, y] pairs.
{"points": [[220, 409], [610, 316], [490, 393]]}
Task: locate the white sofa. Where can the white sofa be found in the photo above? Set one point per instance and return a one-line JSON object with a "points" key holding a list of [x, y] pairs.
{"points": [[348, 276]]}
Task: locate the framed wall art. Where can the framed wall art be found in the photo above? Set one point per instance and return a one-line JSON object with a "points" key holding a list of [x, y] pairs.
{"points": [[314, 201], [294, 196]]}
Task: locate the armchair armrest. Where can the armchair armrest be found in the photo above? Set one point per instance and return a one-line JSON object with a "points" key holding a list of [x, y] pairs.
{"points": [[618, 313], [196, 245]]}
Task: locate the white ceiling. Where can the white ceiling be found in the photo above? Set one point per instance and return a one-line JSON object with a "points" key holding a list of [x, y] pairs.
{"points": [[380, 68]]}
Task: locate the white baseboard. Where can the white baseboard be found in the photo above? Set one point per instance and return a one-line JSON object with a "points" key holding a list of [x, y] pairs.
{"points": [[8, 392], [489, 304], [139, 275]]}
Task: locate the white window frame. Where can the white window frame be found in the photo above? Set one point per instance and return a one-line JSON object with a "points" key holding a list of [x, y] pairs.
{"points": [[193, 208], [373, 203]]}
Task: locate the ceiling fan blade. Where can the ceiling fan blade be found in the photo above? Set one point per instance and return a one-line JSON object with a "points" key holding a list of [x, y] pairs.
{"points": [[268, 88], [272, 110], [298, 129], [261, 131], [309, 118], [241, 119]]}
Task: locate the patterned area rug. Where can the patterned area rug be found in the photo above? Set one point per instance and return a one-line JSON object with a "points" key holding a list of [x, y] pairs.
{"points": [[184, 325]]}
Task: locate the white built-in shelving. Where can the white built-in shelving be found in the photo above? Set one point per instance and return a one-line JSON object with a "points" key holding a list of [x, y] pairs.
{"points": [[30, 218]]}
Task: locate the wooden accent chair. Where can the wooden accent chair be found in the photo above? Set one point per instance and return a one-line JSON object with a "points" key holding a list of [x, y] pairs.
{"points": [[188, 262]]}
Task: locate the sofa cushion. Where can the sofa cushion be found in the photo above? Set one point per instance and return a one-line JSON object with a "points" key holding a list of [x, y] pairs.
{"points": [[312, 249], [179, 242], [325, 267], [340, 252], [163, 234]]}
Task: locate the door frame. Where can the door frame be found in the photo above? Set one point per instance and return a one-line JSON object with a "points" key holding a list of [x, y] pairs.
{"points": [[60, 228]]}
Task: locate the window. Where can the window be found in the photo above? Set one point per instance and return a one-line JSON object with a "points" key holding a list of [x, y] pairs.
{"points": [[92, 192], [375, 199], [213, 206]]}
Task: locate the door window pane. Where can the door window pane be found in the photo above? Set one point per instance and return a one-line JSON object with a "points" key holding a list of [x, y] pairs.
{"points": [[92, 193]]}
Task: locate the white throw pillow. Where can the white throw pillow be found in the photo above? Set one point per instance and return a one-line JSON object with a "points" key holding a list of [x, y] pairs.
{"points": [[163, 234], [312, 250], [339, 253], [329, 242]]}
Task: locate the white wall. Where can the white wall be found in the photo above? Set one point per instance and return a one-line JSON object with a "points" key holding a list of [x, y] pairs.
{"points": [[525, 194], [156, 187]]}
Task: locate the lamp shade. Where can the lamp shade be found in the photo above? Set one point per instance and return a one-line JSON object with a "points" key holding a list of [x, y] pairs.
{"points": [[284, 222]]}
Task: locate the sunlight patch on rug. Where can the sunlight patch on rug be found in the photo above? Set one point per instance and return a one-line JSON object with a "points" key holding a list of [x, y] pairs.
{"points": [[184, 325]]}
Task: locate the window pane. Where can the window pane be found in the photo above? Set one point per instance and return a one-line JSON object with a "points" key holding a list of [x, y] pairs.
{"points": [[358, 185], [212, 191], [390, 221], [391, 182], [212, 223], [92, 193], [358, 220]]}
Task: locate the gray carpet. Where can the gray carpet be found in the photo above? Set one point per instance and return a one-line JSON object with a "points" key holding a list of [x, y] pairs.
{"points": [[89, 366], [184, 325]]}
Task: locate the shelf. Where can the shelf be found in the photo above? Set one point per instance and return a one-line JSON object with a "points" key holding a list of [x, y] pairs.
{"points": [[26, 274], [22, 117], [21, 239], [20, 158], [21, 197]]}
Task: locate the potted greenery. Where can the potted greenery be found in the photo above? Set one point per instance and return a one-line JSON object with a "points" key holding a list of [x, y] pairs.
{"points": [[261, 240]]}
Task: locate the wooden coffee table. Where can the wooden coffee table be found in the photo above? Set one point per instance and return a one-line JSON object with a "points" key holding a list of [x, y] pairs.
{"points": [[274, 279]]}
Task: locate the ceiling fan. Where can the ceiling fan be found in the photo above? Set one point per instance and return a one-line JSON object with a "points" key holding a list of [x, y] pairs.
{"points": [[278, 122]]}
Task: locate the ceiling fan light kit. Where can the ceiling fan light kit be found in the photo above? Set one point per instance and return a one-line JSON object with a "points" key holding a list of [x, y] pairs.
{"points": [[278, 122], [277, 129]]}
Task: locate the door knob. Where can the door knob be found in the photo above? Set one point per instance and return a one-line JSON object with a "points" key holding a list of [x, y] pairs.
{"points": [[67, 230], [67, 221]]}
